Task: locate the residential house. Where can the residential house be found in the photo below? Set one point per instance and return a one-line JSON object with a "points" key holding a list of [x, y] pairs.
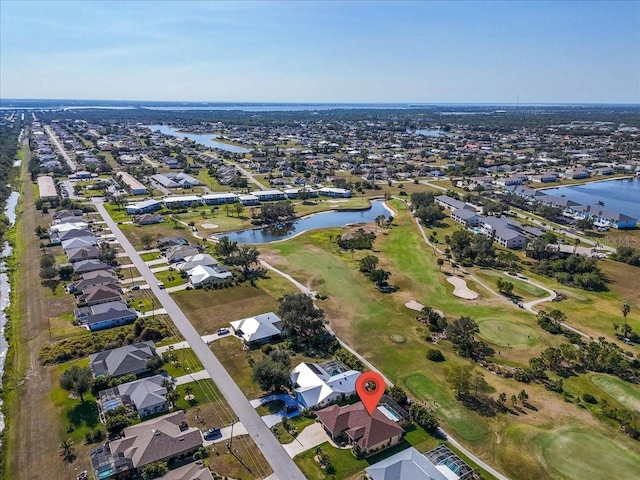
{"points": [[99, 277], [167, 242], [148, 219], [178, 253], [248, 200], [334, 192], [80, 242], [165, 181], [468, 218], [259, 329], [202, 275], [123, 360], [91, 265], [145, 206], [367, 434], [410, 464], [105, 315], [190, 471], [319, 385], [192, 261], [219, 198], [146, 395], [166, 438], [504, 231], [269, 195], [451, 203], [576, 173], [184, 200], [546, 177], [82, 253], [131, 184], [100, 294]]}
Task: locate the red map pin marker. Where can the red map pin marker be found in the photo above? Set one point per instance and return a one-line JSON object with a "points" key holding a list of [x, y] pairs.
{"points": [[370, 396]]}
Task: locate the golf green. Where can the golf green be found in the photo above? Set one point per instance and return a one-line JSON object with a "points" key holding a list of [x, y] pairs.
{"points": [[627, 394], [579, 454], [504, 332]]}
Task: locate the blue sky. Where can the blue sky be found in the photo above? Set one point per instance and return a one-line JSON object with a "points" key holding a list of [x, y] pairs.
{"points": [[297, 51]]}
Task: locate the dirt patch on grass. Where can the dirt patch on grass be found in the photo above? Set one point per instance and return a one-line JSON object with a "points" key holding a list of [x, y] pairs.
{"points": [[620, 275], [209, 310]]}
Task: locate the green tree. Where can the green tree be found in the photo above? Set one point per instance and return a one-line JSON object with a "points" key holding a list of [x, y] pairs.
{"points": [[626, 308], [440, 263], [461, 333], [76, 380], [225, 247], [379, 276], [301, 319], [271, 375], [245, 257], [459, 377], [146, 240], [368, 263], [154, 470], [398, 395]]}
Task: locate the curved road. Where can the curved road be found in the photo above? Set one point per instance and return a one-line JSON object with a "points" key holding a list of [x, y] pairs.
{"points": [[282, 465]]}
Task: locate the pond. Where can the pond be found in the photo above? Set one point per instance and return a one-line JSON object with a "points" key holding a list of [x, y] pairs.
{"points": [[318, 220], [202, 138]]}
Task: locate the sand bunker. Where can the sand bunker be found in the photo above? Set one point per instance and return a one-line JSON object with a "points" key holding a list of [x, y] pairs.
{"points": [[417, 306], [209, 225], [461, 290], [337, 201]]}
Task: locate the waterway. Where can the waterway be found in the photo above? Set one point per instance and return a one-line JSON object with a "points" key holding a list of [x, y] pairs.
{"points": [[319, 220], [621, 195], [206, 139], [5, 288]]}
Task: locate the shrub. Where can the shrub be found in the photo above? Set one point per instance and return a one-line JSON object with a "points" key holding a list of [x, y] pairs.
{"points": [[587, 397], [435, 355]]}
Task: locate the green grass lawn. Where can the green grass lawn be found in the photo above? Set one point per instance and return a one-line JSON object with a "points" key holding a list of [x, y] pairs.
{"points": [[170, 278], [566, 450], [346, 464], [626, 393], [147, 257], [181, 362], [299, 423], [464, 422], [521, 289], [271, 407], [79, 417]]}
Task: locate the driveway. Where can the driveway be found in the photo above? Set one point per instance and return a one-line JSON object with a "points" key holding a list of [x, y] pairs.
{"points": [[309, 438], [272, 450], [191, 377]]}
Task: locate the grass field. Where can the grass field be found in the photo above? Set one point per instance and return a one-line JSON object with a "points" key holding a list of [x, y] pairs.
{"points": [[521, 289], [368, 323], [464, 422], [181, 362], [626, 393]]}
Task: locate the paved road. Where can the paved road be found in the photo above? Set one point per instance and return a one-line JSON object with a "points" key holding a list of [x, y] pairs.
{"points": [[282, 465], [60, 148], [246, 173]]}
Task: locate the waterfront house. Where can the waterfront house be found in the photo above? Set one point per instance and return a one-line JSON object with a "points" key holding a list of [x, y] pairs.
{"points": [[334, 192]]}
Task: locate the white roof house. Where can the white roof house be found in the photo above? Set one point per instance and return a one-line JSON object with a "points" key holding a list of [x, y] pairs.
{"points": [[315, 387], [192, 261], [258, 329], [201, 274]]}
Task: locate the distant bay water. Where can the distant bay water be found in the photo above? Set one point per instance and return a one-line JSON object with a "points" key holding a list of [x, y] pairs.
{"points": [[621, 195]]}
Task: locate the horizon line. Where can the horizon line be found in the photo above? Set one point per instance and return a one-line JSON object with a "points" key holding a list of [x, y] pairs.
{"points": [[281, 102]]}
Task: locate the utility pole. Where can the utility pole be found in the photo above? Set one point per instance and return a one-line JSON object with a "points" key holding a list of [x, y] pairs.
{"points": [[230, 444]]}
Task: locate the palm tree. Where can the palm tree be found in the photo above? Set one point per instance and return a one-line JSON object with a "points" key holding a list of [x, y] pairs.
{"points": [[440, 262], [626, 308], [67, 452]]}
